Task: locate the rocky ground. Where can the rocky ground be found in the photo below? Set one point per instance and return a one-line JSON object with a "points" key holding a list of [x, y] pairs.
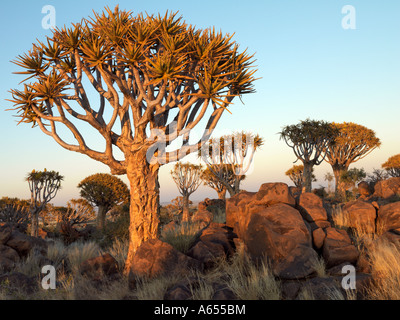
{"points": [[275, 244]]}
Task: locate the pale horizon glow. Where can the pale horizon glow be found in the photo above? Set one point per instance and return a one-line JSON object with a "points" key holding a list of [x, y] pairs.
{"points": [[308, 65]]}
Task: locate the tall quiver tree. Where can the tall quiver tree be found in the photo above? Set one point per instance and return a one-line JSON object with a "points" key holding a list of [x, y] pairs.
{"points": [[309, 140], [156, 77], [187, 178], [392, 166], [103, 191], [352, 143], [230, 158], [43, 186]]}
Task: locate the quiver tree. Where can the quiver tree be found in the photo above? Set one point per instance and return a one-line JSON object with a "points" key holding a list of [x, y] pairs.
{"points": [[230, 157], [43, 186], [352, 143], [309, 140], [215, 181], [187, 178], [156, 78], [103, 191], [392, 166], [296, 174]]}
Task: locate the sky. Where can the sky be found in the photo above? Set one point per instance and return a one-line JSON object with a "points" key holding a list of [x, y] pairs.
{"points": [[309, 65]]}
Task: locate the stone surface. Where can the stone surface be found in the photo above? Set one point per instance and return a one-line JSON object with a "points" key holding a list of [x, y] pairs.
{"points": [[8, 258], [207, 252], [20, 242], [312, 208], [363, 189], [360, 215], [338, 248], [387, 188], [389, 217], [99, 267], [319, 236], [5, 233], [156, 258], [279, 233]]}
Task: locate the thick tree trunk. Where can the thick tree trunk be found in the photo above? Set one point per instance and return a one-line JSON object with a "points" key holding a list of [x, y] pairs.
{"points": [[222, 194], [101, 217], [339, 186], [307, 177], [144, 207], [185, 214]]}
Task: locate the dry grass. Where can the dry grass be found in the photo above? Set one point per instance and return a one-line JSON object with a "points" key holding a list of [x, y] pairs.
{"points": [[183, 236], [384, 258]]}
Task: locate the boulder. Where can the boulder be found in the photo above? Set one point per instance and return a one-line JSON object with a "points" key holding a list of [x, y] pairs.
{"points": [[8, 258], [219, 203], [318, 236], [279, 234], [20, 242], [387, 188], [5, 232], [207, 252], [155, 258], [273, 193], [389, 217], [99, 267], [364, 189], [360, 215], [338, 248], [220, 234], [238, 208], [312, 209]]}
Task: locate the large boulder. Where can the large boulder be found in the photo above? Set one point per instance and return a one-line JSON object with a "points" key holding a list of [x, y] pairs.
{"points": [[279, 234], [387, 188], [389, 217], [155, 258], [312, 209], [98, 268], [360, 215], [238, 207], [338, 248]]}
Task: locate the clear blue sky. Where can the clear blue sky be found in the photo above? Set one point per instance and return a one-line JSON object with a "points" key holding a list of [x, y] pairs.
{"points": [[310, 67]]}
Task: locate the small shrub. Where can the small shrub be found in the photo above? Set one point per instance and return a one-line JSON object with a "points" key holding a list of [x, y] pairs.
{"points": [[183, 236]]}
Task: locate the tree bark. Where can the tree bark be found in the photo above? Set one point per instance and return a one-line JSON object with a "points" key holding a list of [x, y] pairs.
{"points": [[339, 187], [307, 177], [34, 223], [101, 217], [144, 206], [185, 214]]}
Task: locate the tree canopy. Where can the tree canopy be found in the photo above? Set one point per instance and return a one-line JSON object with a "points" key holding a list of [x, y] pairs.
{"points": [[102, 189], [392, 166]]}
